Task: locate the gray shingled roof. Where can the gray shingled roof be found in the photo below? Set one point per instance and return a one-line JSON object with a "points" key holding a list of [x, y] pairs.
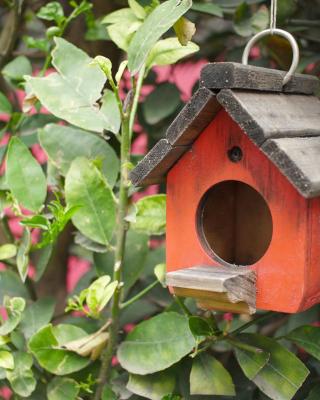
{"points": [[284, 122]]}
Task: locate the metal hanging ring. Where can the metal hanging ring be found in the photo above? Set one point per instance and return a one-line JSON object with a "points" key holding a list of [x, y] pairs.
{"points": [[279, 32]]}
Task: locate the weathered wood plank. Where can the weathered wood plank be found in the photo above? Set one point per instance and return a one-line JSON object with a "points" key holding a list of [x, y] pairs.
{"points": [[193, 118], [272, 115], [154, 166], [230, 75], [238, 283], [299, 160]]}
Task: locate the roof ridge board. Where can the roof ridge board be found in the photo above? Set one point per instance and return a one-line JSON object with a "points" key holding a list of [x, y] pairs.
{"points": [[230, 75]]}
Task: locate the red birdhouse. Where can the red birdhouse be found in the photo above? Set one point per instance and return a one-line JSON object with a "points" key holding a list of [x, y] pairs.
{"points": [[242, 167]]}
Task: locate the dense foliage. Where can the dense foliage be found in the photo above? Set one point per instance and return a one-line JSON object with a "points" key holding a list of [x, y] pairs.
{"points": [[65, 192]]}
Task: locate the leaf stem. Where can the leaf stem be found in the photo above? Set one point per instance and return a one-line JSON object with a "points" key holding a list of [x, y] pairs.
{"points": [[181, 304], [139, 295], [254, 321], [135, 103]]}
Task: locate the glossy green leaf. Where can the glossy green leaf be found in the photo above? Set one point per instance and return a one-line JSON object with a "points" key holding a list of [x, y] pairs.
{"points": [[21, 378], [62, 388], [156, 344], [162, 102], [11, 285], [14, 308], [100, 293], [199, 326], [7, 251], [208, 8], [89, 244], [251, 362], [25, 177], [46, 344], [86, 187], [6, 360], [209, 377], [154, 386], [307, 337], [23, 254], [283, 374], [17, 68], [5, 105], [36, 316], [63, 144], [150, 215], [155, 25], [73, 92]]}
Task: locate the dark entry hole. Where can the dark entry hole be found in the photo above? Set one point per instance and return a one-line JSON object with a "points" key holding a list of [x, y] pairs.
{"points": [[235, 154], [234, 223]]}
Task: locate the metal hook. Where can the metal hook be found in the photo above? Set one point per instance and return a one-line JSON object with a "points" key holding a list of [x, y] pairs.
{"points": [[279, 32]]}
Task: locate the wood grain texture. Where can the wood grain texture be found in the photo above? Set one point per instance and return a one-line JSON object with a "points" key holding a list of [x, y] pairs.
{"points": [[193, 118], [299, 160], [237, 283], [272, 115], [154, 166], [230, 75]]}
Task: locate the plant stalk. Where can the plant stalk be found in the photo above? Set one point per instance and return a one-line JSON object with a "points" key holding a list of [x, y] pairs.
{"points": [[139, 295]]}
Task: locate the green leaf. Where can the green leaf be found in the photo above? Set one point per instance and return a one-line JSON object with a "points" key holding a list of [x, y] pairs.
{"points": [[23, 254], [105, 65], [17, 68], [184, 30], [123, 25], [7, 251], [160, 273], [156, 344], [36, 221], [307, 337], [150, 215], [137, 9], [251, 362], [5, 105], [36, 316], [169, 51], [122, 67], [14, 308], [43, 260], [52, 11], [199, 326], [156, 24], [154, 386], [6, 360], [161, 103], [86, 187], [73, 92], [246, 24], [283, 374], [62, 388], [109, 108], [209, 377], [11, 285], [108, 393], [100, 293], [25, 177], [63, 144], [21, 378], [208, 8], [45, 346]]}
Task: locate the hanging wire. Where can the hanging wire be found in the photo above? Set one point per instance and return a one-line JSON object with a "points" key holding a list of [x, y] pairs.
{"points": [[273, 16]]}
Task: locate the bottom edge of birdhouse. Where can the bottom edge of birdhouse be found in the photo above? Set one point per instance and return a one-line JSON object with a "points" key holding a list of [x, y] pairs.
{"points": [[214, 301]]}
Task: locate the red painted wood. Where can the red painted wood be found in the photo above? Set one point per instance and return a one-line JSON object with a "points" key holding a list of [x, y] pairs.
{"points": [[288, 275]]}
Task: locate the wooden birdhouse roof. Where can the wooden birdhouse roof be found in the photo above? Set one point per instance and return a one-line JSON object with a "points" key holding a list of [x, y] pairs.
{"points": [[283, 122]]}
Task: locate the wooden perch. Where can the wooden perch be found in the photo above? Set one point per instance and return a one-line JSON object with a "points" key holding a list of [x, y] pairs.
{"points": [[222, 288]]}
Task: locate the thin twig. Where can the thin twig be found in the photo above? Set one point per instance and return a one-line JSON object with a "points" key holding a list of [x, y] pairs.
{"points": [[139, 295]]}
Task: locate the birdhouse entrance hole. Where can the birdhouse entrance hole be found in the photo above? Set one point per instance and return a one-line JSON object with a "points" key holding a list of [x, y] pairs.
{"points": [[234, 223]]}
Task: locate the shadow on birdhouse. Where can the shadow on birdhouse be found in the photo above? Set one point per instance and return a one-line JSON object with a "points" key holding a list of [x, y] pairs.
{"points": [[241, 163]]}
